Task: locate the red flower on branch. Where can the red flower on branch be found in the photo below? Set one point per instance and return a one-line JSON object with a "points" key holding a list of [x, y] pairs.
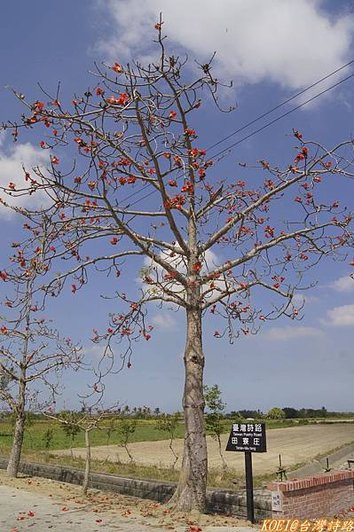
{"points": [[117, 68]]}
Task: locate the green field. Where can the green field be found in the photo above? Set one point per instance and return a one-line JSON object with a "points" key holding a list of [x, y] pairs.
{"points": [[35, 450], [145, 431]]}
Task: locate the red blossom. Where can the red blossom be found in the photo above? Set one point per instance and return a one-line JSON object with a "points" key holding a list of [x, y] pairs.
{"points": [[169, 276], [114, 240], [178, 160], [121, 100], [38, 106], [269, 231], [172, 115], [299, 157], [265, 165], [117, 68], [189, 132], [197, 266], [187, 187], [54, 159], [3, 276], [99, 91]]}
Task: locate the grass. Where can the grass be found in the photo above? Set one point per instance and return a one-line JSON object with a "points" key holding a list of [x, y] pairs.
{"points": [[145, 431], [216, 478], [34, 450], [35, 435]]}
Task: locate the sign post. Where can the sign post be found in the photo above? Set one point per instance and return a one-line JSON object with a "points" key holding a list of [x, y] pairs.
{"points": [[248, 438]]}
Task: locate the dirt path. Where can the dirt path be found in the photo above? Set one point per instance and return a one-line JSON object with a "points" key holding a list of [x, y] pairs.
{"points": [[296, 445], [44, 505]]}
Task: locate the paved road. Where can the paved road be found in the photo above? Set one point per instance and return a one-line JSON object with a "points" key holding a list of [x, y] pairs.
{"points": [[22, 510]]}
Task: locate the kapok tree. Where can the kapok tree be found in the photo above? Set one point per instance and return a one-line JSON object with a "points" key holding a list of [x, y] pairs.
{"points": [[32, 353], [202, 243]]}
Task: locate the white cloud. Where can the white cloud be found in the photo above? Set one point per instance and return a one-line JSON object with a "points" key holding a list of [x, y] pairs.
{"points": [[300, 299], [343, 284], [209, 262], [291, 333], [290, 43], [12, 162], [342, 316], [164, 320]]}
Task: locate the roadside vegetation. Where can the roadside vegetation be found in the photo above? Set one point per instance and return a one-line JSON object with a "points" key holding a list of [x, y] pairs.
{"points": [[43, 434]]}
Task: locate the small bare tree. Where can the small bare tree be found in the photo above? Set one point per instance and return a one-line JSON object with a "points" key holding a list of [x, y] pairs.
{"points": [[169, 423], [86, 421], [126, 428], [32, 353]]}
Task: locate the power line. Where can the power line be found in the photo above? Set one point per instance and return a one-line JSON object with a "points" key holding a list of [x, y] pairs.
{"points": [[283, 115], [265, 126], [242, 128]]}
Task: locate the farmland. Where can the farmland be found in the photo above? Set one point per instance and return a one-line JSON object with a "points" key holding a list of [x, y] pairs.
{"points": [[298, 443]]}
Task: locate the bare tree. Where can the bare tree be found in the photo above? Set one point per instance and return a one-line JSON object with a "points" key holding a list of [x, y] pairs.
{"points": [[202, 243], [32, 353], [126, 428], [86, 421], [169, 423]]}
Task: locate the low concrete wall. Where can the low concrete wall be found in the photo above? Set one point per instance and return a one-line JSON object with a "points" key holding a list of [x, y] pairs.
{"points": [[218, 501]]}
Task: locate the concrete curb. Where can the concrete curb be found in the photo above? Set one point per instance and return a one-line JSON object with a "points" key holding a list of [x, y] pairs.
{"points": [[218, 501]]}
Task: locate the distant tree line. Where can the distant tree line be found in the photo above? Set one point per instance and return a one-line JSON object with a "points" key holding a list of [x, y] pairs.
{"points": [[145, 412]]}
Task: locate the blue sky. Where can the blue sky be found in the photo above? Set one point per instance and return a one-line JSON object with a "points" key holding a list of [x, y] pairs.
{"points": [[270, 50]]}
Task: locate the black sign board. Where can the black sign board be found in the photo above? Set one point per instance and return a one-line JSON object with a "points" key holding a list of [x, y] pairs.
{"points": [[247, 437]]}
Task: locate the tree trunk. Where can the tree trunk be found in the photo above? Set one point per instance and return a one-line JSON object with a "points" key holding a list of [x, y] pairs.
{"points": [[191, 489], [87, 462], [16, 449]]}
